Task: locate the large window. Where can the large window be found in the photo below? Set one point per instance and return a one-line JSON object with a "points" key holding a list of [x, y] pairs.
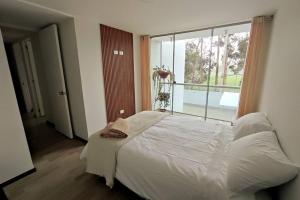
{"points": [[208, 70]]}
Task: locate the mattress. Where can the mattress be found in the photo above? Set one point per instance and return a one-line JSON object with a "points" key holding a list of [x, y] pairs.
{"points": [[177, 158]]}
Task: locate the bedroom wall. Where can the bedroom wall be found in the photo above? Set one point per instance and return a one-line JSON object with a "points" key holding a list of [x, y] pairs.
{"points": [[14, 152], [280, 94]]}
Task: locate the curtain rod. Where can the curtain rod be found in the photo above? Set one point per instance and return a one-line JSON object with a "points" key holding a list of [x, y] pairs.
{"points": [[202, 29]]}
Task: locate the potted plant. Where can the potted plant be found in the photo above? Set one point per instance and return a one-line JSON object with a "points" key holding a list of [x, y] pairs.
{"points": [[162, 80], [163, 73]]}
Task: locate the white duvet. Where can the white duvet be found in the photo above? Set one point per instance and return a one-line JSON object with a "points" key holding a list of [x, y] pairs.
{"points": [[177, 158], [101, 153]]}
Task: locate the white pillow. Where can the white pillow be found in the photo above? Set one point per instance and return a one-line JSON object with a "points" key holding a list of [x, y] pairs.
{"points": [[251, 123], [257, 162]]}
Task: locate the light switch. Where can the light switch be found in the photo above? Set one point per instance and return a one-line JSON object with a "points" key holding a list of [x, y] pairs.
{"points": [[122, 111], [121, 53], [116, 52]]}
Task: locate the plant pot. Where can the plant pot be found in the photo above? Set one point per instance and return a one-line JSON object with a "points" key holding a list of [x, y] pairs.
{"points": [[163, 74]]}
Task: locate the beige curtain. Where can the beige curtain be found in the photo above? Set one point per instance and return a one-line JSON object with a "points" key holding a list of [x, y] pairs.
{"points": [[145, 73], [255, 65]]}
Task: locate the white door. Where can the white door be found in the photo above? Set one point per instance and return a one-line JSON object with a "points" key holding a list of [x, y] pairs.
{"points": [[58, 109], [21, 69], [31, 80], [33, 77]]}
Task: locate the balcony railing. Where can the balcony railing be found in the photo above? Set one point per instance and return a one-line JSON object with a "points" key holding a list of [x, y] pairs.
{"points": [[220, 102], [203, 85]]}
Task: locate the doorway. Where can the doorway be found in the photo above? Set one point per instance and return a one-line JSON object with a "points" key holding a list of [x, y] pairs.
{"points": [[40, 92]]}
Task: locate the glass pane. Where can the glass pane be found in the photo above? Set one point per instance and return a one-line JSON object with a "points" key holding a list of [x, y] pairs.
{"points": [[222, 103], [191, 64], [161, 65], [229, 48], [190, 99], [192, 55]]}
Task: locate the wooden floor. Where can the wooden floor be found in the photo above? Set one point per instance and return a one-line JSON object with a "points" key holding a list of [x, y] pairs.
{"points": [[60, 174]]}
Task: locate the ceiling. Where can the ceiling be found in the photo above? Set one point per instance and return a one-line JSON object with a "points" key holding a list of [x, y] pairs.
{"points": [[137, 16], [23, 16], [163, 16]]}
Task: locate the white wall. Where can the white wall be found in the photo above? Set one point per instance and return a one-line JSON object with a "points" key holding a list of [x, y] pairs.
{"points": [[281, 93], [90, 61], [14, 153], [155, 53], [73, 77], [155, 61], [137, 72]]}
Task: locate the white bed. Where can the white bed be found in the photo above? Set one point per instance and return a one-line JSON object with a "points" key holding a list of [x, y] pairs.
{"points": [[179, 157]]}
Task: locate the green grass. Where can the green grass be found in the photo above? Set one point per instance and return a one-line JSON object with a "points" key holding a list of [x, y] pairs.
{"points": [[232, 80]]}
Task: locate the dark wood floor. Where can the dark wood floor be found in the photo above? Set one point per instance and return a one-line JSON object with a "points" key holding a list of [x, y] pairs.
{"points": [[60, 174]]}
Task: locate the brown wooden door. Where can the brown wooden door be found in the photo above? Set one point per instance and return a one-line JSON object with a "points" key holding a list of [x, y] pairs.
{"points": [[118, 72]]}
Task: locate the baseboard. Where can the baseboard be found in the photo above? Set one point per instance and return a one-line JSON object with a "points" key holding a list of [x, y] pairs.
{"points": [[10, 181]]}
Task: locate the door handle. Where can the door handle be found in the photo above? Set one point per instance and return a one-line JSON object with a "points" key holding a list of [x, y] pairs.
{"points": [[61, 93]]}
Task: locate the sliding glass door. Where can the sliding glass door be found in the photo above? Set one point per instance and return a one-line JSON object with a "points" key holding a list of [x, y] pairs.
{"points": [[208, 69], [191, 66], [229, 48]]}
